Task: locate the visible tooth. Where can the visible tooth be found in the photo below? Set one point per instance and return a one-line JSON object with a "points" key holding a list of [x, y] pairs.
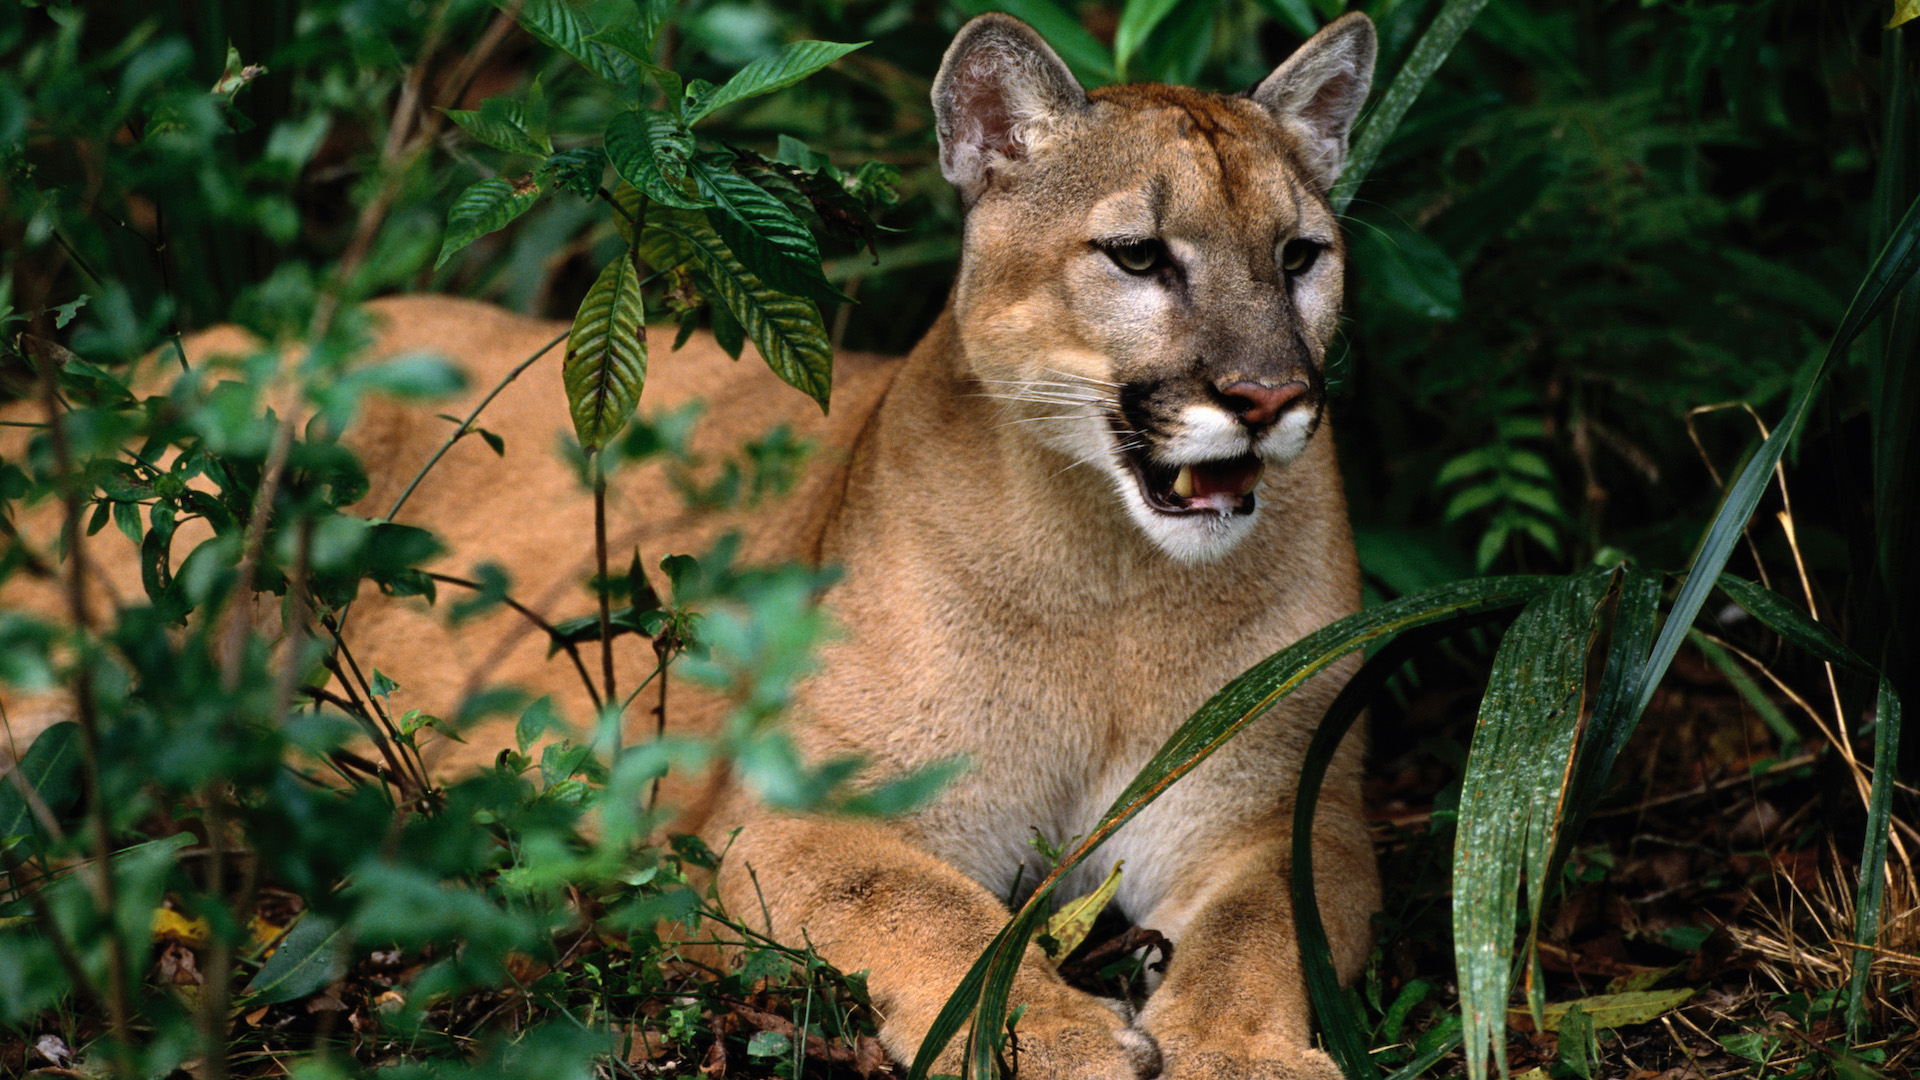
{"points": [[1254, 481], [1183, 482]]}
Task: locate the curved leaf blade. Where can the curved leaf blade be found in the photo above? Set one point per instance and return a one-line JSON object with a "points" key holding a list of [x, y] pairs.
{"points": [[1783, 618], [606, 362], [482, 208], [791, 64], [1137, 20], [786, 329], [1513, 797], [561, 25], [651, 151], [502, 124], [308, 958], [51, 770]]}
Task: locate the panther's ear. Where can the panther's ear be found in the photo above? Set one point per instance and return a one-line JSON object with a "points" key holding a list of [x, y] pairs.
{"points": [[999, 89], [1318, 92]]}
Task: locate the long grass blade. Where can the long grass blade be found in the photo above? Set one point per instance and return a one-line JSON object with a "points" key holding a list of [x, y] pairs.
{"points": [[1873, 860], [1891, 270], [1340, 1025], [1427, 56], [1512, 799]]}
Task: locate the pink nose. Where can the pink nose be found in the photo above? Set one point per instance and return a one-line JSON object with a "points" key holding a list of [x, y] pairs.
{"points": [[1257, 404]]}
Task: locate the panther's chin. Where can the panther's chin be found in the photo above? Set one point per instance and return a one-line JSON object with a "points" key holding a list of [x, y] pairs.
{"points": [[1195, 512]]}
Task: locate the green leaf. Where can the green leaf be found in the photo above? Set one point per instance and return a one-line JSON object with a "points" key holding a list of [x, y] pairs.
{"points": [[1577, 1048], [1441, 36], [484, 207], [606, 362], [1796, 626], [1512, 798], [565, 27], [768, 1044], [1070, 925], [650, 150], [1409, 271], [1873, 859], [791, 64], [771, 242], [502, 124], [311, 956], [1603, 1011], [51, 769], [1137, 20], [786, 329]]}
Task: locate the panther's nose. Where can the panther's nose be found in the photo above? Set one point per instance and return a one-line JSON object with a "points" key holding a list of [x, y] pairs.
{"points": [[1257, 404]]}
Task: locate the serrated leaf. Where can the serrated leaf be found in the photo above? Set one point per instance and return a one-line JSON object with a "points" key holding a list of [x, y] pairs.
{"points": [[563, 26], [606, 361], [770, 241], [484, 207], [308, 958], [786, 329], [501, 124], [650, 150], [784, 68]]}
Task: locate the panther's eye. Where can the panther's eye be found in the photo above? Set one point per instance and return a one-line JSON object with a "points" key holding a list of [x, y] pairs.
{"points": [[1137, 256], [1297, 256]]}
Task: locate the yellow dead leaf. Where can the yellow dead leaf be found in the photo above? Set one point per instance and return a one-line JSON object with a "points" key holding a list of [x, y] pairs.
{"points": [[1904, 10], [1070, 924], [263, 932], [1614, 1010], [170, 925]]}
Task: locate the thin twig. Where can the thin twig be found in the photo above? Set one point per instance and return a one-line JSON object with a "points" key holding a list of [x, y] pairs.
{"points": [[551, 631]]}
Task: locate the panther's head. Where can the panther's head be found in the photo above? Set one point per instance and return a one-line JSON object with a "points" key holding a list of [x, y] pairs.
{"points": [[1152, 275]]}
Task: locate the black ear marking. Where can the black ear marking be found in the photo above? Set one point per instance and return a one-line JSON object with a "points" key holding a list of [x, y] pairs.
{"points": [[1318, 92], [999, 88]]}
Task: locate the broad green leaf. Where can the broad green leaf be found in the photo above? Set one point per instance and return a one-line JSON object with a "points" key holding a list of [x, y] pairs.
{"points": [[1297, 16], [565, 27], [1512, 798], [502, 124], [1238, 704], [1617, 1010], [1137, 20], [1409, 271], [606, 362], [484, 207], [309, 957], [51, 769], [1070, 925], [791, 64], [650, 151], [786, 329], [770, 241]]}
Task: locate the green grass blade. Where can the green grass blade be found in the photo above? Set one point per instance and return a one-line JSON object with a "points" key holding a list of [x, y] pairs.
{"points": [[1795, 626], [1343, 1029], [1512, 799], [1891, 270], [1636, 617], [1427, 56], [1873, 860], [1137, 20]]}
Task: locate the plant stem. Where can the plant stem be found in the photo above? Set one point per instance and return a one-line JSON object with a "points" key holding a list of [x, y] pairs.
{"points": [[600, 556]]}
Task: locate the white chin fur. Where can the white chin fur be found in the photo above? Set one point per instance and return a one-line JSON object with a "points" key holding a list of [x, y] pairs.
{"points": [[1189, 538]]}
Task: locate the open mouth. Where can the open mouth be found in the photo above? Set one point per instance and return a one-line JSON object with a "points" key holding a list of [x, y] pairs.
{"points": [[1224, 486]]}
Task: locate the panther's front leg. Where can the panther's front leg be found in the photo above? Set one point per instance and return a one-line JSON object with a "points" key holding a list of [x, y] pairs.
{"points": [[869, 900], [1233, 1004]]}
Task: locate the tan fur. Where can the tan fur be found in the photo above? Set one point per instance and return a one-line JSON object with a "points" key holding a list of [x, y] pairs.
{"points": [[1002, 598]]}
